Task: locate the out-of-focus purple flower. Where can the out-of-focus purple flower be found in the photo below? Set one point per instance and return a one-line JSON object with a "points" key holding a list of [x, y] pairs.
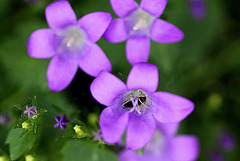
{"points": [[71, 43], [4, 119], [97, 136], [197, 9], [227, 141], [136, 105], [61, 122], [216, 156], [165, 147], [137, 24], [30, 111]]}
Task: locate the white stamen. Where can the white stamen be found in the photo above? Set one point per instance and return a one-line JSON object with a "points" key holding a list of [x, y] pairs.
{"points": [[142, 23]]}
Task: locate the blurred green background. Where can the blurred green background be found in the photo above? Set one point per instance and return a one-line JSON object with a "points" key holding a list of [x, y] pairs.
{"points": [[204, 67]]}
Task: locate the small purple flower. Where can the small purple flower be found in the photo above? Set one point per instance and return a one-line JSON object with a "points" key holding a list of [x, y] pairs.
{"points": [[61, 122], [71, 43], [165, 147], [227, 141], [30, 111], [97, 136], [216, 156], [137, 24], [197, 9], [136, 106], [4, 119]]}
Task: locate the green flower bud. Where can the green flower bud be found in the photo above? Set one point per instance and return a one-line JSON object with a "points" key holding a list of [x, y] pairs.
{"points": [[29, 158], [78, 130], [26, 125]]}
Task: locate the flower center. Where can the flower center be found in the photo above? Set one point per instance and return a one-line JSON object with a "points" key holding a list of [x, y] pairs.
{"points": [[71, 40], [136, 101], [139, 22]]}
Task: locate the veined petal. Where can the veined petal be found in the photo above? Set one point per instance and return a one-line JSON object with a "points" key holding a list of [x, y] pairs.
{"points": [[171, 108], [137, 49], [94, 61], [165, 32], [60, 73], [59, 14], [106, 87], [95, 24], [116, 31], [143, 76], [154, 7], [129, 155], [112, 125], [184, 147], [123, 7], [41, 44], [140, 130]]}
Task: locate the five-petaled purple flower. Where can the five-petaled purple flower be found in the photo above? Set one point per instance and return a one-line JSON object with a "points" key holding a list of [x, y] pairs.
{"points": [[139, 23], [30, 111], [136, 106], [166, 147], [61, 122], [71, 43]]}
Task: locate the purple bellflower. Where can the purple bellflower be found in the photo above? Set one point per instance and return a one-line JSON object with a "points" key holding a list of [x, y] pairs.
{"points": [[137, 24], [71, 43], [30, 111], [136, 106], [166, 147], [197, 9], [61, 122]]}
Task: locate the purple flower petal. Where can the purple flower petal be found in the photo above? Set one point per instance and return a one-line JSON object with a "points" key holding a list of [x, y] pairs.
{"points": [[106, 87], [62, 118], [123, 7], [94, 61], [143, 76], [169, 129], [171, 108], [60, 73], [112, 125], [129, 155], [140, 130], [57, 118], [184, 147], [137, 49], [59, 14], [63, 126], [116, 31], [154, 7], [165, 32], [41, 44], [95, 24], [56, 125]]}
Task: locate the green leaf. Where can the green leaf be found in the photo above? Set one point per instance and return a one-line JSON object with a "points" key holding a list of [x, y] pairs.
{"points": [[20, 107], [79, 150], [34, 101], [17, 144], [41, 111]]}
